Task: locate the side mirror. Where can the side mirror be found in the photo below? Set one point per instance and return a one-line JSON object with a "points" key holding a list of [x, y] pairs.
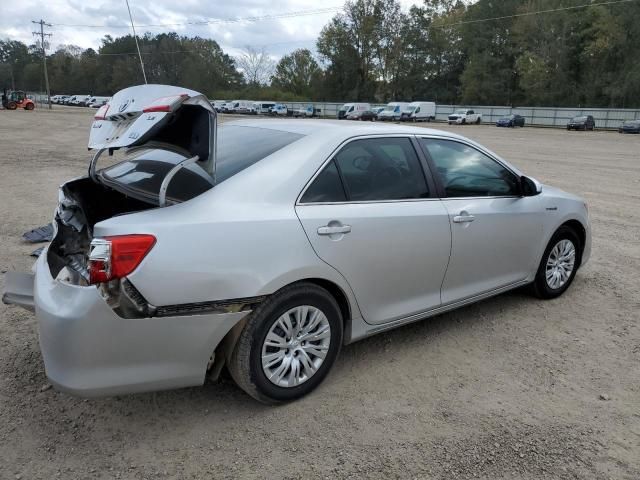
{"points": [[530, 187]]}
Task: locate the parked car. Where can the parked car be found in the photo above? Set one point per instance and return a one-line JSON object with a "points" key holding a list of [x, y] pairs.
{"points": [[62, 99], [463, 116], [367, 115], [305, 112], [393, 111], [352, 109], [513, 120], [97, 102], [419, 112], [582, 122], [279, 110], [630, 126], [241, 106], [155, 275], [218, 105]]}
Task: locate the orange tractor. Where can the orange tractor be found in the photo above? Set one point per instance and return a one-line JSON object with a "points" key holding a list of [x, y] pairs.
{"points": [[15, 99]]}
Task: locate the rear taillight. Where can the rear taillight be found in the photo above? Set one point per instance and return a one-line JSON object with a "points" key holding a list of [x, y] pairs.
{"points": [[117, 256], [101, 114], [166, 104]]}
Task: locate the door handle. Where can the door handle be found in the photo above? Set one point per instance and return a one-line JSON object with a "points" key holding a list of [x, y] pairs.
{"points": [[333, 230], [463, 217]]}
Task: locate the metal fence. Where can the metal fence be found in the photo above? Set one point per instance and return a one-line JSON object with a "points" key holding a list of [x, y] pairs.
{"points": [[610, 118]]}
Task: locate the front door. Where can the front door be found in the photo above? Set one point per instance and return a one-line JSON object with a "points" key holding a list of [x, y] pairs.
{"points": [[371, 215], [495, 231]]}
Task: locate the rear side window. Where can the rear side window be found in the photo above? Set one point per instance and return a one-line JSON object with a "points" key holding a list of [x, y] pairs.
{"points": [[372, 170], [238, 148], [467, 172], [326, 187]]}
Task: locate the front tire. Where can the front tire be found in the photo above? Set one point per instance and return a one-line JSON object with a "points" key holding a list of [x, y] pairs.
{"points": [[559, 264], [288, 345]]}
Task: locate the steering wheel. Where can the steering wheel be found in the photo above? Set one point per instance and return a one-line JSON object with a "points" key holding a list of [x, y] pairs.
{"points": [[358, 162]]}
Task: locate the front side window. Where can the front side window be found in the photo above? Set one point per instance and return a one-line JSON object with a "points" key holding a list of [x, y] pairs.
{"points": [[467, 172], [374, 170]]}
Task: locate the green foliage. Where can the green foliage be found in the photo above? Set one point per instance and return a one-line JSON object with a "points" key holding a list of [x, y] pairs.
{"points": [[492, 52]]}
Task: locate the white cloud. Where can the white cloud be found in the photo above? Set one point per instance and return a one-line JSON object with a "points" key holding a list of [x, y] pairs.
{"points": [[277, 35]]}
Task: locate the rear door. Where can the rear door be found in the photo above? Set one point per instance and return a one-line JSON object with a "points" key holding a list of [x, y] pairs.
{"points": [[496, 232], [373, 215]]}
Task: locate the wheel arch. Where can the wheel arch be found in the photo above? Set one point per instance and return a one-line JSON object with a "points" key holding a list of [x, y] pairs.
{"points": [[579, 230], [225, 348]]}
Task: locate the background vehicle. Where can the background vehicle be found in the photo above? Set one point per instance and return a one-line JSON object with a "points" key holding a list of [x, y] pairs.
{"points": [[463, 116], [630, 126], [241, 106], [264, 108], [352, 109], [279, 110], [12, 100], [393, 111], [218, 105], [308, 111], [582, 122], [97, 102], [367, 115], [513, 120], [419, 112]]}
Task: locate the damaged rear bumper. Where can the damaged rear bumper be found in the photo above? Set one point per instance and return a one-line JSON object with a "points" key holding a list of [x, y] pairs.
{"points": [[89, 350]]}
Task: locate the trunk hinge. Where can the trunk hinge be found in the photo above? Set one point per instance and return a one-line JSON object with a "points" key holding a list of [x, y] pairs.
{"points": [[162, 195], [92, 164]]}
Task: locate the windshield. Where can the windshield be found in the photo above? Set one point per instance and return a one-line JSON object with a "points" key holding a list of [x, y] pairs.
{"points": [[344, 108], [390, 108], [579, 119], [238, 148], [410, 109], [463, 112]]}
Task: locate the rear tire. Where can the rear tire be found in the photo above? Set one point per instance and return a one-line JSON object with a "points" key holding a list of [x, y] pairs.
{"points": [[29, 106], [550, 281], [246, 364]]}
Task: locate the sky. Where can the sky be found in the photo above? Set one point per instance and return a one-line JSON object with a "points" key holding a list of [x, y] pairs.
{"points": [[84, 23]]}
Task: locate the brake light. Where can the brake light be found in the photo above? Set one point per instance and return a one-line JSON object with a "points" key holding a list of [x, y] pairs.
{"points": [[165, 104], [117, 256], [101, 114]]}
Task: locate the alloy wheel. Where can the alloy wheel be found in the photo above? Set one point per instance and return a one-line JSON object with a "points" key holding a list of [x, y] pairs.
{"points": [[560, 264], [295, 346]]}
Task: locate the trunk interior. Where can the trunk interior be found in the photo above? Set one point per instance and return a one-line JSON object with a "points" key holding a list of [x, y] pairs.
{"points": [[82, 204]]}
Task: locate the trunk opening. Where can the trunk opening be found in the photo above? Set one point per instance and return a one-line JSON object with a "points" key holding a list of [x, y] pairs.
{"points": [[82, 204]]}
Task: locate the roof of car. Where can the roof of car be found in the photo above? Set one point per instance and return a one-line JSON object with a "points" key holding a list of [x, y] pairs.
{"points": [[347, 128]]}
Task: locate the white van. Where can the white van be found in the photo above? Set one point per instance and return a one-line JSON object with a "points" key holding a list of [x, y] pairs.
{"points": [[352, 109], [419, 112], [241, 106], [262, 108], [393, 111]]}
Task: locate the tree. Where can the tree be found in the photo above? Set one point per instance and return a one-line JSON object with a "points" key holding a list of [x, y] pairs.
{"points": [[297, 73], [256, 65]]}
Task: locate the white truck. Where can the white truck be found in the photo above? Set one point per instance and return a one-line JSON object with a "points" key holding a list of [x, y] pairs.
{"points": [[463, 116], [393, 111]]}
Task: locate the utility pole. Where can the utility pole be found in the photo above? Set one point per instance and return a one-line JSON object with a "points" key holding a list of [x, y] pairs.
{"points": [[42, 24]]}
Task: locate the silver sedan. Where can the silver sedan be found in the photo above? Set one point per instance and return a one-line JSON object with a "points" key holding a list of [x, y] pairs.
{"points": [[264, 246]]}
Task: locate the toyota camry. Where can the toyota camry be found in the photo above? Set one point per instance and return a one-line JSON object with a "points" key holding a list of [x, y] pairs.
{"points": [[264, 246]]}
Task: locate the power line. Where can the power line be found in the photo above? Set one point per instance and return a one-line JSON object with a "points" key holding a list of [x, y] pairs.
{"points": [[42, 24], [538, 12], [214, 21]]}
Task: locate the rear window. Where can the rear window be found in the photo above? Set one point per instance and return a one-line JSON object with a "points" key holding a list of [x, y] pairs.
{"points": [[238, 148]]}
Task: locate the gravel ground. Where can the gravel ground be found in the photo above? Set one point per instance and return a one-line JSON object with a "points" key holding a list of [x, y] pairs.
{"points": [[509, 388]]}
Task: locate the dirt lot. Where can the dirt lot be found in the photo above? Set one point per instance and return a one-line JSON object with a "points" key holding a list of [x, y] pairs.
{"points": [[509, 388]]}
